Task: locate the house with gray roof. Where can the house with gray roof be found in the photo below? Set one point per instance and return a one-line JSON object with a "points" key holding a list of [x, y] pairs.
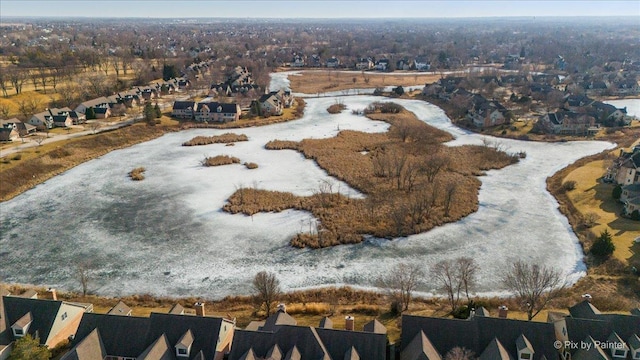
{"points": [[487, 337], [171, 336], [615, 335], [49, 320], [280, 335]]}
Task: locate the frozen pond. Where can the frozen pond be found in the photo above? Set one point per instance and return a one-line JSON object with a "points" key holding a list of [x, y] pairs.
{"points": [[166, 235]]}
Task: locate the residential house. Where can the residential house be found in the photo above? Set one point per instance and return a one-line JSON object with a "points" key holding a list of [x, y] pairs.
{"points": [[333, 62], [421, 63], [585, 324], [9, 129], [270, 104], [50, 320], [567, 123], [217, 112], [298, 60], [488, 338], [120, 309], [403, 64], [157, 337], [94, 103], [487, 113], [625, 170], [382, 65], [364, 63], [183, 83], [102, 112], [279, 337], [51, 118], [183, 110]]}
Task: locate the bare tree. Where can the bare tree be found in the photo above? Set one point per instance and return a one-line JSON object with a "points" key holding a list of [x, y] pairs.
{"points": [[28, 106], [400, 283], [39, 139], [83, 273], [267, 287], [95, 125], [4, 110], [458, 353], [534, 285], [449, 193], [433, 164], [455, 276]]}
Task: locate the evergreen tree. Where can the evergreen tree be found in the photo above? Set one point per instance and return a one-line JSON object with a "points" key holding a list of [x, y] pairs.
{"points": [[90, 113], [157, 111], [617, 192], [169, 72], [28, 348], [149, 113], [603, 247]]}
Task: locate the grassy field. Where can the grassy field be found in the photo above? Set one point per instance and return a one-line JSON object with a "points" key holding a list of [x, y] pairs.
{"points": [[319, 81], [592, 196]]}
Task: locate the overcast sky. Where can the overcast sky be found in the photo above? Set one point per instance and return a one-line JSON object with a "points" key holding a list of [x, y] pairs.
{"points": [[317, 9]]}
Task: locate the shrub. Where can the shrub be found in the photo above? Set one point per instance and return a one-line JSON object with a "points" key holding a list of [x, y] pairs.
{"points": [[635, 215], [137, 174], [251, 165], [220, 160], [569, 185], [617, 192], [603, 247], [16, 157], [590, 219], [226, 138], [59, 153], [336, 108]]}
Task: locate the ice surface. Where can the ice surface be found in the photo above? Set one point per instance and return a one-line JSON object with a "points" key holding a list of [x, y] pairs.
{"points": [[166, 235]]}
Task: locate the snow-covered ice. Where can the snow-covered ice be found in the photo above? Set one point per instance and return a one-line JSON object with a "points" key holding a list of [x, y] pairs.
{"points": [[166, 235]]}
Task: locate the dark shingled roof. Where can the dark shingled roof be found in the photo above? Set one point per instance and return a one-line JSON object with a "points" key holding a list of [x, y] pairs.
{"points": [[205, 330], [90, 348], [286, 337], [43, 313], [495, 351], [584, 310], [159, 350], [369, 345], [121, 335], [181, 105], [213, 107], [477, 333]]}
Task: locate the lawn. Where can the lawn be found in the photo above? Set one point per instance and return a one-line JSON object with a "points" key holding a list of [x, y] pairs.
{"points": [[593, 196]]}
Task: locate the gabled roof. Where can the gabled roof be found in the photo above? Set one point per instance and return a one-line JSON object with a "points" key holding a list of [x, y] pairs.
{"points": [[352, 354], [43, 313], [120, 309], [477, 332], [177, 309], [594, 352], [495, 351], [634, 342], [95, 102], [24, 321], [420, 348], [326, 323], [522, 343], [375, 326], [186, 340], [249, 355], [482, 311], [90, 348], [182, 105], [158, 350], [286, 337], [215, 106], [278, 318], [121, 335], [275, 353], [370, 345], [584, 310], [293, 354]]}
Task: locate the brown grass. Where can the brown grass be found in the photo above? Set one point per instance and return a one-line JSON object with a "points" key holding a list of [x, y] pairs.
{"points": [[336, 108], [225, 138], [137, 174], [250, 165], [395, 203], [319, 81], [220, 160]]}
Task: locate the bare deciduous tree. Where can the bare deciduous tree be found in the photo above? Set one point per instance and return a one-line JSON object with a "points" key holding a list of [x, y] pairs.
{"points": [[449, 193], [83, 273], [39, 139], [534, 285], [458, 353], [400, 284], [455, 276], [267, 287], [433, 165]]}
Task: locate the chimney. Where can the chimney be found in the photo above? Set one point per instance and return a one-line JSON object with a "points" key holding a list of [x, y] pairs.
{"points": [[503, 311], [349, 323], [587, 297], [199, 306], [51, 294], [282, 308]]}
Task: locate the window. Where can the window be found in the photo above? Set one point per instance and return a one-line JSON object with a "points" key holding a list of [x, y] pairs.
{"points": [[525, 356], [620, 353], [182, 351], [18, 332], [64, 316]]}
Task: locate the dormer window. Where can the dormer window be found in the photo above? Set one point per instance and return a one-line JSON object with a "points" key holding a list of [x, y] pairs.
{"points": [[183, 347], [620, 353], [20, 327]]}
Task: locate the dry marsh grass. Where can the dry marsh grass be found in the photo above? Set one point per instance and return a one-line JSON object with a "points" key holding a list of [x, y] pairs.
{"points": [[226, 138], [336, 108], [137, 174], [251, 165], [412, 182], [220, 160]]}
